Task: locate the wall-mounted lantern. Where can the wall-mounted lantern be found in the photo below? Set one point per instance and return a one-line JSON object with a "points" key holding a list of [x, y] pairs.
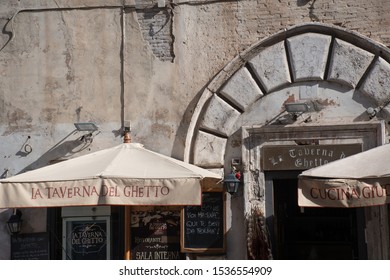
{"points": [[15, 222], [232, 181]]}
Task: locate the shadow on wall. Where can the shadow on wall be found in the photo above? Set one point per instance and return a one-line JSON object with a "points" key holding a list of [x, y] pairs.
{"points": [[61, 151]]}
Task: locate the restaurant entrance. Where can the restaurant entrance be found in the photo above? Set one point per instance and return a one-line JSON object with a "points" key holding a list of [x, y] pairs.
{"points": [[313, 233]]}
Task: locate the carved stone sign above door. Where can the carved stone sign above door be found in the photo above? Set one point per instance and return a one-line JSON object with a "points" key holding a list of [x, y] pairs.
{"points": [[297, 157]]}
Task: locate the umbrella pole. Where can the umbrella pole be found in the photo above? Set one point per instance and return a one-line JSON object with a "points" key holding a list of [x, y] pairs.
{"points": [[127, 139], [127, 233]]}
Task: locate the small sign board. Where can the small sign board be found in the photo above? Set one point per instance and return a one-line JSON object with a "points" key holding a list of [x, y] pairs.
{"points": [[86, 238], [30, 246], [302, 157], [203, 227]]}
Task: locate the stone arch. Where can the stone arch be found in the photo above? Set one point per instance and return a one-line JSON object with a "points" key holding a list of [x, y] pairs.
{"points": [[311, 53]]}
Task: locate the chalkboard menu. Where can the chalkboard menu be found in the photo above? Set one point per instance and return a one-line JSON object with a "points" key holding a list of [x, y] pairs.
{"points": [[155, 234], [203, 227], [30, 246]]}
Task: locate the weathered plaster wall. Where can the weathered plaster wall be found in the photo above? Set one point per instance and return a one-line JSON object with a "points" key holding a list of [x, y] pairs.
{"points": [[69, 55], [109, 61]]}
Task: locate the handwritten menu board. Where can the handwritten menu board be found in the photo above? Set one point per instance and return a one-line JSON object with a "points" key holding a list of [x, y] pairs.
{"points": [[203, 227], [155, 234], [30, 246]]}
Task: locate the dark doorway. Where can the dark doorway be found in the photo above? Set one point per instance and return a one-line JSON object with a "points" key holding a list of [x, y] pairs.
{"points": [[311, 233]]}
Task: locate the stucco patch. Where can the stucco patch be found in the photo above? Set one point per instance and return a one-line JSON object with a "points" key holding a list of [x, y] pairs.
{"points": [[18, 120]]}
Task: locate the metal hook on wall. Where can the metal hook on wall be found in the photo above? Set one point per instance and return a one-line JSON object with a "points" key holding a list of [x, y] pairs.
{"points": [[26, 148]]}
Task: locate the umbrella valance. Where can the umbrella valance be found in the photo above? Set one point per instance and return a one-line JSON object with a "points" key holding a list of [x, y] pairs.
{"points": [[127, 174], [356, 181]]}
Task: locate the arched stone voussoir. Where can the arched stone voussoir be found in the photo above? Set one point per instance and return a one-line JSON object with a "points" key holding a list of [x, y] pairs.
{"points": [[308, 56], [209, 150], [377, 83], [241, 89], [348, 63], [271, 67], [219, 117]]}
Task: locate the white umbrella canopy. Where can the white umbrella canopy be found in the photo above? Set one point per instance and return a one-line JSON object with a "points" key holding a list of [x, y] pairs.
{"points": [[359, 180], [127, 174]]}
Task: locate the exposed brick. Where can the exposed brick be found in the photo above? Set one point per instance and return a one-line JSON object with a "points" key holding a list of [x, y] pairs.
{"points": [[156, 28]]}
